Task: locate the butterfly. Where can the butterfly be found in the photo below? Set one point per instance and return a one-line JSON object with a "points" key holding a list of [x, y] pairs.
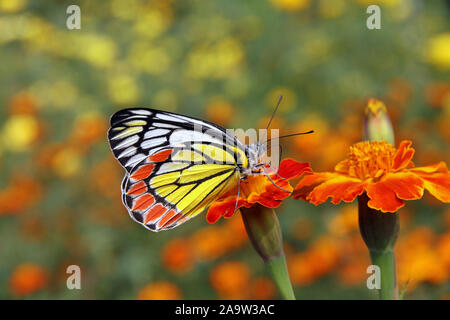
{"points": [[176, 166]]}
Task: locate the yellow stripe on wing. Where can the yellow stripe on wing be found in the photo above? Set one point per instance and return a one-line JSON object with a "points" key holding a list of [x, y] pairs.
{"points": [[202, 190]]}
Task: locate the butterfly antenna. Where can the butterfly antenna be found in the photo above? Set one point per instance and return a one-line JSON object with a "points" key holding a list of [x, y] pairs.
{"points": [[274, 111], [275, 183], [291, 135], [237, 198], [276, 172]]}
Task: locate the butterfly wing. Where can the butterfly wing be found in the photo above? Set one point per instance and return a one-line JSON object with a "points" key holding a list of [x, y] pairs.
{"points": [[175, 165]]}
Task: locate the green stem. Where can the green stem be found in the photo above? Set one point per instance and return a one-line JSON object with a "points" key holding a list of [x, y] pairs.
{"points": [[386, 261], [264, 231], [278, 270]]}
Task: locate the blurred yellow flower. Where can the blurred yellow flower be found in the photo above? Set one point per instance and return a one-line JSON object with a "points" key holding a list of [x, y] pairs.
{"points": [[291, 5], [123, 89], [438, 51], [147, 58], [152, 23], [388, 3], [329, 9], [67, 163], [165, 99], [97, 50], [12, 6], [19, 132], [125, 9], [219, 60], [160, 290], [62, 94]]}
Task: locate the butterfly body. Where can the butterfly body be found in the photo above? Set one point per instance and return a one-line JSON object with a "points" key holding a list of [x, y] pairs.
{"points": [[176, 166]]}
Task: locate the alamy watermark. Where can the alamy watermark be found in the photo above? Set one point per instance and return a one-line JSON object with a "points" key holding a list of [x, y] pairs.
{"points": [[74, 19], [374, 281], [374, 20], [74, 280]]}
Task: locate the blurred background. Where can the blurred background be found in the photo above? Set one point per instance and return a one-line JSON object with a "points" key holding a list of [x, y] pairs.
{"points": [[228, 62]]}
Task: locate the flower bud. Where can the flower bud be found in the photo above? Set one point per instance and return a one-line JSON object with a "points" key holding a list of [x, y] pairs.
{"points": [[379, 230], [264, 231], [377, 124]]}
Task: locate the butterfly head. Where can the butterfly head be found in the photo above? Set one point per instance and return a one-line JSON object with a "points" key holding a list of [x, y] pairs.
{"points": [[257, 158]]}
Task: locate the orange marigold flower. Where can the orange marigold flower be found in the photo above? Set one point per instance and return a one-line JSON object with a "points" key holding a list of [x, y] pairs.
{"points": [[160, 290], [385, 173], [177, 255], [230, 279], [263, 288], [22, 193], [259, 189], [28, 278]]}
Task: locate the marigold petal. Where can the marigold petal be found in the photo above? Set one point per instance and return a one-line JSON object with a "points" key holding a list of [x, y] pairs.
{"points": [[340, 188], [265, 200], [403, 155], [387, 194], [225, 208], [436, 180], [290, 169], [434, 168], [309, 182], [277, 191]]}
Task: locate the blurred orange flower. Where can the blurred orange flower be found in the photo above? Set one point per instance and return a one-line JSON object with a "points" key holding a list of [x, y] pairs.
{"points": [[21, 193], [207, 243], [28, 278], [438, 94], [177, 255], [262, 288], [87, 129], [319, 259], [23, 103], [385, 173], [426, 262], [231, 280], [258, 189], [160, 290], [220, 112]]}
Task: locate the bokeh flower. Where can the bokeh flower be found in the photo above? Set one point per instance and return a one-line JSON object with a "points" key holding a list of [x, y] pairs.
{"points": [[438, 51], [291, 5], [231, 280], [262, 288], [28, 278], [21, 193], [220, 112], [160, 290], [177, 256]]}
